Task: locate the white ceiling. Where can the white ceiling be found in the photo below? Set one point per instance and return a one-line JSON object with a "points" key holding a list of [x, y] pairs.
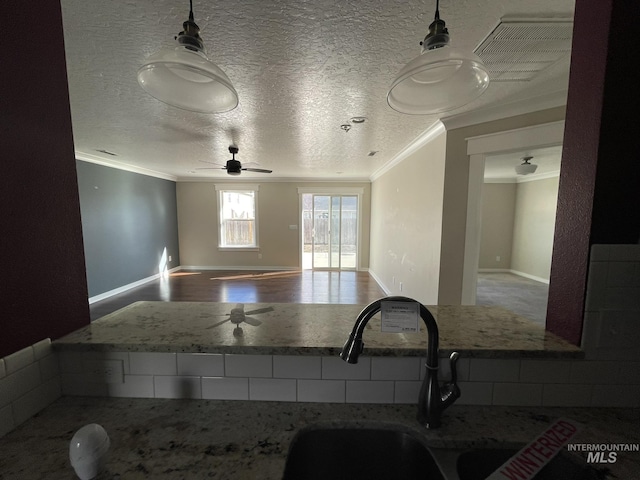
{"points": [[301, 69]]}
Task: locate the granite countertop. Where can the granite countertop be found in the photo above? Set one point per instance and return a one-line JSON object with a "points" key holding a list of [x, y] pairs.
{"points": [[310, 329], [198, 439]]}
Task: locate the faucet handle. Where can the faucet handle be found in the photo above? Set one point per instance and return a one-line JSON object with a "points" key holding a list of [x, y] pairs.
{"points": [[453, 360]]}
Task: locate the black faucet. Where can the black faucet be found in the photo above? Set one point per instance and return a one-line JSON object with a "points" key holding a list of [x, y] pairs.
{"points": [[433, 400]]}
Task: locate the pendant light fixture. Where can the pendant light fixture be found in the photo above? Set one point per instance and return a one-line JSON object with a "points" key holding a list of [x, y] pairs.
{"points": [[183, 76], [441, 78]]}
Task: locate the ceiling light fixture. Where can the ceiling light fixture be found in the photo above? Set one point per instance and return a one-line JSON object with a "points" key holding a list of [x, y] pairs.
{"points": [[183, 76], [525, 168], [441, 78]]}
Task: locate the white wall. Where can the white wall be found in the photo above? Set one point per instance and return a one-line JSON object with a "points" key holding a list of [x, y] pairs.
{"points": [[406, 223], [534, 224], [278, 207], [518, 222], [496, 237]]}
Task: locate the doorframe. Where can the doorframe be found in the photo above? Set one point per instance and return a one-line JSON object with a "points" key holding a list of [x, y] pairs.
{"points": [[478, 148], [334, 191]]}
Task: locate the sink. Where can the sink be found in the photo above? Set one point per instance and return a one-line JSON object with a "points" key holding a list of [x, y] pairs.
{"points": [[358, 453], [478, 464]]}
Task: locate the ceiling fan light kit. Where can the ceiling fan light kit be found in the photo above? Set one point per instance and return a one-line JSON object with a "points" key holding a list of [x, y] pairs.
{"points": [[183, 76], [525, 168], [441, 78]]}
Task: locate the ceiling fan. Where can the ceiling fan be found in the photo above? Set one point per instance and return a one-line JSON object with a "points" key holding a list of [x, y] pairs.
{"points": [[238, 316], [233, 166]]}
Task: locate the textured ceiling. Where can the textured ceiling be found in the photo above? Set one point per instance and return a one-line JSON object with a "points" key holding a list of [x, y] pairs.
{"points": [[301, 69]]}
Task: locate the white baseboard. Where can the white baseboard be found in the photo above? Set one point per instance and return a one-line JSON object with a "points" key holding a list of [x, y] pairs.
{"points": [[253, 267], [129, 286], [515, 272], [379, 282], [531, 277]]}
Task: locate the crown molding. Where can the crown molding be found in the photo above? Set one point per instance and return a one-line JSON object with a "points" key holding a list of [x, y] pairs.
{"points": [[274, 180], [523, 178], [506, 110], [88, 157], [534, 177], [425, 137], [500, 180]]}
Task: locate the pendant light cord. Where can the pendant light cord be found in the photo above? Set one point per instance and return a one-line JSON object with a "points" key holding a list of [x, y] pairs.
{"points": [[191, 10], [437, 10]]}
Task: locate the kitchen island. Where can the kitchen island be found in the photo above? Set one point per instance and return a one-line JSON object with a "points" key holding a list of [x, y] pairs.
{"points": [[309, 329]]}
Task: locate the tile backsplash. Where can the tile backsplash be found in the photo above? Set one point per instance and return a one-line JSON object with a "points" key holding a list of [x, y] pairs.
{"points": [[29, 381], [612, 308]]}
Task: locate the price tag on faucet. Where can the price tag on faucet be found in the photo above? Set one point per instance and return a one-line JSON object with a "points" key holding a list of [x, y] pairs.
{"points": [[400, 317]]}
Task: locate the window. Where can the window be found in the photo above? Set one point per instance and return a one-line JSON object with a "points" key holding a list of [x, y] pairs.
{"points": [[237, 216]]}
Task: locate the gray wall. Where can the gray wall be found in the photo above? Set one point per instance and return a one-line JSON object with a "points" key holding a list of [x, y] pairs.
{"points": [[128, 220]]}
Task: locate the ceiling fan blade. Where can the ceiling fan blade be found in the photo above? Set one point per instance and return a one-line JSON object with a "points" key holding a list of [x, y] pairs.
{"points": [[259, 170], [252, 321], [210, 168], [260, 310], [218, 324]]}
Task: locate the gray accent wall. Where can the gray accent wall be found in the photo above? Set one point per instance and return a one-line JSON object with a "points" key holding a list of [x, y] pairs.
{"points": [[128, 220]]}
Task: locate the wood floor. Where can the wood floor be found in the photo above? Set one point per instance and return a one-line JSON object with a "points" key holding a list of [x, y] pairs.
{"points": [[249, 287]]}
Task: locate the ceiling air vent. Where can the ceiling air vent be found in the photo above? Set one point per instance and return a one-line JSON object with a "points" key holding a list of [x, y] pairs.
{"points": [[517, 49]]}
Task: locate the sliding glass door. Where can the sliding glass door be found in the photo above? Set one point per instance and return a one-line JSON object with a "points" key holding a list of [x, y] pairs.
{"points": [[331, 231]]}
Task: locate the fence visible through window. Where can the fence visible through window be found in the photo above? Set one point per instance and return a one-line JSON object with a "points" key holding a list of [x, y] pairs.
{"points": [[238, 219], [330, 231]]}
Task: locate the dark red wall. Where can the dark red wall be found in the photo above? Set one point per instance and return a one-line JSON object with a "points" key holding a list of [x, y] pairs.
{"points": [[600, 174], [43, 290]]}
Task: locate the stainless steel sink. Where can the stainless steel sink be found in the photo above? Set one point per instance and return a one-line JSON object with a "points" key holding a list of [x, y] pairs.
{"points": [[359, 452]]}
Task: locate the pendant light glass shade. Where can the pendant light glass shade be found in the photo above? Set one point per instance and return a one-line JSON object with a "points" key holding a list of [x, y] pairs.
{"points": [[187, 79], [183, 76], [525, 168], [441, 78], [438, 80]]}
